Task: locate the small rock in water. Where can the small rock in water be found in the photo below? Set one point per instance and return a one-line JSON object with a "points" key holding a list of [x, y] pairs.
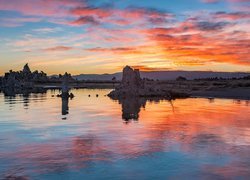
{"points": [[71, 95]]}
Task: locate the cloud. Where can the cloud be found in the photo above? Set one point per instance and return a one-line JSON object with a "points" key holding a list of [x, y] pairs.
{"points": [[18, 21], [83, 12], [119, 50], [201, 49], [29, 41], [85, 20], [231, 15], [238, 1], [126, 16], [147, 68], [100, 12], [211, 26], [192, 26], [58, 48], [40, 7], [47, 30]]}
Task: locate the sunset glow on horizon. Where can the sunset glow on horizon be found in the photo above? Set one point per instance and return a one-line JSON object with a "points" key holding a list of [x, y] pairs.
{"points": [[102, 36]]}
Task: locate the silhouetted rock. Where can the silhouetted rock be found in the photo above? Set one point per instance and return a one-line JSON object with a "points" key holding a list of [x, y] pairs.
{"points": [[133, 86], [66, 77], [22, 79], [26, 69], [131, 78], [181, 78]]}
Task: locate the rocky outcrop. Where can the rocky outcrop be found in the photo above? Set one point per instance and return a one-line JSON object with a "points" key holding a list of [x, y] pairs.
{"points": [[133, 86], [131, 78], [22, 79]]}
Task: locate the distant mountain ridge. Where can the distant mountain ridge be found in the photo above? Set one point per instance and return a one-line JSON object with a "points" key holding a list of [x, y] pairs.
{"points": [[165, 75]]}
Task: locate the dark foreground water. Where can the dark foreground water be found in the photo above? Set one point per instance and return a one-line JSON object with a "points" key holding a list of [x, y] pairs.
{"points": [[98, 138]]}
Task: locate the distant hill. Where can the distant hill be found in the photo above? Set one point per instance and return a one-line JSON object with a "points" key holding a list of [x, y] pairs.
{"points": [[165, 75]]}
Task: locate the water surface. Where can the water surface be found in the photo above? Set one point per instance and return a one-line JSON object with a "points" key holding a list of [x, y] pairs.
{"points": [[43, 137]]}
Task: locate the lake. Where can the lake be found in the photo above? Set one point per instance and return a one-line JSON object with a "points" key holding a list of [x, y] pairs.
{"points": [[43, 137]]}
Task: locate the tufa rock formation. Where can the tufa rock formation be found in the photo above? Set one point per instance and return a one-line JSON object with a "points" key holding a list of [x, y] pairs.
{"points": [[26, 69], [23, 79], [26, 79], [131, 78], [133, 86]]}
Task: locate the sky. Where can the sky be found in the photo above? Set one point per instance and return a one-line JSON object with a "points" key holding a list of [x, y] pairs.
{"points": [[102, 36]]}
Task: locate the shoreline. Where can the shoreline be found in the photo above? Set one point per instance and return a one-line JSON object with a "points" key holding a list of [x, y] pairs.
{"points": [[211, 94], [235, 93]]}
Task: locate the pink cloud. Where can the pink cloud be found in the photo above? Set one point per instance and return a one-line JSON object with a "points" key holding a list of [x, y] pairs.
{"points": [[122, 16], [85, 20], [59, 48], [91, 11]]}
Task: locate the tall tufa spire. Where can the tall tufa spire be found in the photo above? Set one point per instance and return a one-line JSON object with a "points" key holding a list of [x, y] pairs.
{"points": [[26, 68]]}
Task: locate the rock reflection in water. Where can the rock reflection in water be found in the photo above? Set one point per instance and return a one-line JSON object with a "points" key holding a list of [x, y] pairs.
{"points": [[199, 140], [13, 92], [131, 107], [65, 106], [12, 97]]}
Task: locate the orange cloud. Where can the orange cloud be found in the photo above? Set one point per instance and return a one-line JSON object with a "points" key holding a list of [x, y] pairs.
{"points": [[120, 50], [147, 68], [191, 43]]}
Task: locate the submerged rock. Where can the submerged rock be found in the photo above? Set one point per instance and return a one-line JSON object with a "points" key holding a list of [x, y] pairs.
{"points": [[133, 86]]}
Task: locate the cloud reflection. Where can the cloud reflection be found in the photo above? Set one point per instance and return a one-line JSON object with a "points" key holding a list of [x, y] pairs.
{"points": [[213, 136]]}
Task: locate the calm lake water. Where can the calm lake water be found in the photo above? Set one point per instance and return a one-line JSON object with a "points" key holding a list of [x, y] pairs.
{"points": [[43, 137]]}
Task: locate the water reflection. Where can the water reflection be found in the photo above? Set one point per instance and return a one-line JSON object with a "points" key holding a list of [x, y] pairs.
{"points": [[12, 92], [211, 100], [131, 107], [12, 97], [26, 100], [65, 106], [191, 138]]}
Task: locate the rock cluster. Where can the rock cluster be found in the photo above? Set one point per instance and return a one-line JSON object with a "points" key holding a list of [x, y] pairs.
{"points": [[133, 86], [22, 79]]}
